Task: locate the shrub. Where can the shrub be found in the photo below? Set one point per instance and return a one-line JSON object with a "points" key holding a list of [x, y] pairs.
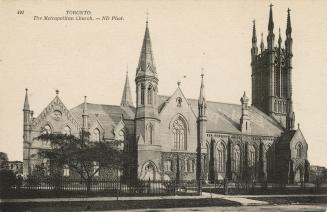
{"points": [[7, 179]]}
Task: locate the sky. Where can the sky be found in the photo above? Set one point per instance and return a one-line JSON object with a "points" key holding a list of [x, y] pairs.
{"points": [[91, 57]]}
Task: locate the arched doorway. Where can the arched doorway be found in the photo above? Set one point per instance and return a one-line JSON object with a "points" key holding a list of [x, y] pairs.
{"points": [[299, 175], [149, 171]]}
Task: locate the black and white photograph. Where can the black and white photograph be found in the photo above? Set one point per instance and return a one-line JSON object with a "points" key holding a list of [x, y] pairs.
{"points": [[163, 105]]}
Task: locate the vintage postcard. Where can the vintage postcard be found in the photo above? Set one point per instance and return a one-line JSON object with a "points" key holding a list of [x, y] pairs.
{"points": [[183, 105]]}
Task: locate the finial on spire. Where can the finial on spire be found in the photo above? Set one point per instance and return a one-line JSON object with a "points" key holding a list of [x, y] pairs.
{"points": [[178, 83], [57, 92], [147, 16]]}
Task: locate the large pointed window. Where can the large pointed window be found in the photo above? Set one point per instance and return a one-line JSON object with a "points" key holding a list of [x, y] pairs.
{"points": [[179, 134], [236, 159], [251, 157], [96, 135], [220, 157]]}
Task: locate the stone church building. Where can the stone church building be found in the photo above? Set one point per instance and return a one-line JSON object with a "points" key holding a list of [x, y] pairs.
{"points": [[175, 136]]}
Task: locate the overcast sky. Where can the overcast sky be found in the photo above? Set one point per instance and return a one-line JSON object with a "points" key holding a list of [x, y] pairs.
{"points": [[91, 57]]}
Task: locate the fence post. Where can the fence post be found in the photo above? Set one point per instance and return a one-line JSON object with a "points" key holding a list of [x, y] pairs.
{"points": [[226, 186]]}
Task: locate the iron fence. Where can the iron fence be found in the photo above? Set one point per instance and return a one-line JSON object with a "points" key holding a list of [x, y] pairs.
{"points": [[67, 186]]}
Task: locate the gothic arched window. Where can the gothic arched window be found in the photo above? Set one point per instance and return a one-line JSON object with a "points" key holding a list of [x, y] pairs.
{"points": [[96, 135], [150, 133], [221, 157], [46, 130], [269, 159], [142, 94], [236, 158], [150, 95], [67, 130], [179, 134], [298, 150], [251, 157]]}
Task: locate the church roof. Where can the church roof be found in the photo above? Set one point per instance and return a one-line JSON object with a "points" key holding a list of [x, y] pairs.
{"points": [[108, 116], [221, 117], [225, 118]]}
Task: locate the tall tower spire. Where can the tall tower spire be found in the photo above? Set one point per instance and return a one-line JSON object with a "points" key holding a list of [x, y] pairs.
{"points": [[146, 65], [126, 99]]}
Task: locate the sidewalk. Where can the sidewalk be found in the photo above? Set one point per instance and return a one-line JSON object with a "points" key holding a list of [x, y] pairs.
{"points": [[242, 199]]}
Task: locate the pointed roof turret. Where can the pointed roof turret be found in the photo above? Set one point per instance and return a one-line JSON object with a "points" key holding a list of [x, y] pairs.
{"points": [[146, 66], [85, 106], [202, 98], [288, 26], [126, 99], [26, 102], [271, 21], [254, 34]]}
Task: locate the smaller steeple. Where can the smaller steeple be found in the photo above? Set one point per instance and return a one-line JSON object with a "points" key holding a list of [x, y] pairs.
{"points": [[126, 99], [245, 118], [85, 115], [202, 100], [262, 45], [288, 26], [254, 34], [26, 102]]}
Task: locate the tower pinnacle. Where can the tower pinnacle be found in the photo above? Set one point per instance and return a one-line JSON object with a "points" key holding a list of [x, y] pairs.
{"points": [[254, 34], [288, 26], [271, 22], [26, 102], [202, 99]]}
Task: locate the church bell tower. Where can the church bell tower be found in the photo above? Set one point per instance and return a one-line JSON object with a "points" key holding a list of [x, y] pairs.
{"points": [[272, 74]]}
